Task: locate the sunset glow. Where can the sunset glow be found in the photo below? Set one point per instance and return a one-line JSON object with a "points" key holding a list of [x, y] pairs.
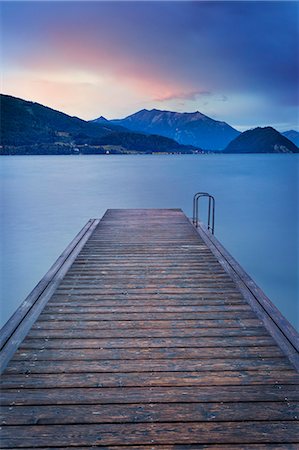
{"points": [[235, 61]]}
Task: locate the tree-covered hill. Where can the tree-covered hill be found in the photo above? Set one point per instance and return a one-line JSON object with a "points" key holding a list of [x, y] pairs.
{"points": [[28, 123], [31, 128], [261, 140]]}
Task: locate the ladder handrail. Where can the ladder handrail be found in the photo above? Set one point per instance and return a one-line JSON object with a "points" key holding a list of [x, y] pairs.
{"points": [[211, 210]]}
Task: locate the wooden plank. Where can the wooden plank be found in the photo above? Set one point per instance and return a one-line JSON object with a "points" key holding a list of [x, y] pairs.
{"points": [[96, 354], [150, 324], [148, 412], [183, 447], [155, 296], [148, 434], [79, 310], [93, 302], [187, 281], [197, 271], [161, 274], [149, 290], [144, 365], [143, 379], [135, 332], [143, 287], [188, 394], [127, 342], [159, 316], [65, 302]]}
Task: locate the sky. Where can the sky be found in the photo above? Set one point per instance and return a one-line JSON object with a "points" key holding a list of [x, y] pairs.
{"points": [[233, 61]]}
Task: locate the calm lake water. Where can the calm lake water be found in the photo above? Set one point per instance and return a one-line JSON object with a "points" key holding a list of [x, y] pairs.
{"points": [[46, 200]]}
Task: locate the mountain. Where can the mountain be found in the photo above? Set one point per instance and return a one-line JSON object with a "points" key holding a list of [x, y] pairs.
{"points": [[101, 119], [31, 128], [186, 128], [261, 140], [28, 123], [293, 136]]}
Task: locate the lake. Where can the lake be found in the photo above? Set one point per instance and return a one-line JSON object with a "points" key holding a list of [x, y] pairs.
{"points": [[46, 200]]}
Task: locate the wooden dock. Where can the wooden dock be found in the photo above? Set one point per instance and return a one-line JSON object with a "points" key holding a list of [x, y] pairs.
{"points": [[146, 334]]}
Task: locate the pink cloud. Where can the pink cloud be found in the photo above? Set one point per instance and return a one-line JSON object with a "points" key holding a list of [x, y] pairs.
{"points": [[67, 52], [177, 95]]}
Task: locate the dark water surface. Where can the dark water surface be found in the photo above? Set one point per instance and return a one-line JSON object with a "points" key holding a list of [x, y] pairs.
{"points": [[46, 200]]}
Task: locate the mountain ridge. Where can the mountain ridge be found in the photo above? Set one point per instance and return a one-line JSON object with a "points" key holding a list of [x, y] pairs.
{"points": [[31, 128], [44, 124], [195, 128]]}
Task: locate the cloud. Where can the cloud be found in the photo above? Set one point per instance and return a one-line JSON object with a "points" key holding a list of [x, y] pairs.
{"points": [[223, 98], [193, 96], [196, 54]]}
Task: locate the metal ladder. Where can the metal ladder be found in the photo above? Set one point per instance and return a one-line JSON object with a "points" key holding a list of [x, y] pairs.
{"points": [[211, 210]]}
